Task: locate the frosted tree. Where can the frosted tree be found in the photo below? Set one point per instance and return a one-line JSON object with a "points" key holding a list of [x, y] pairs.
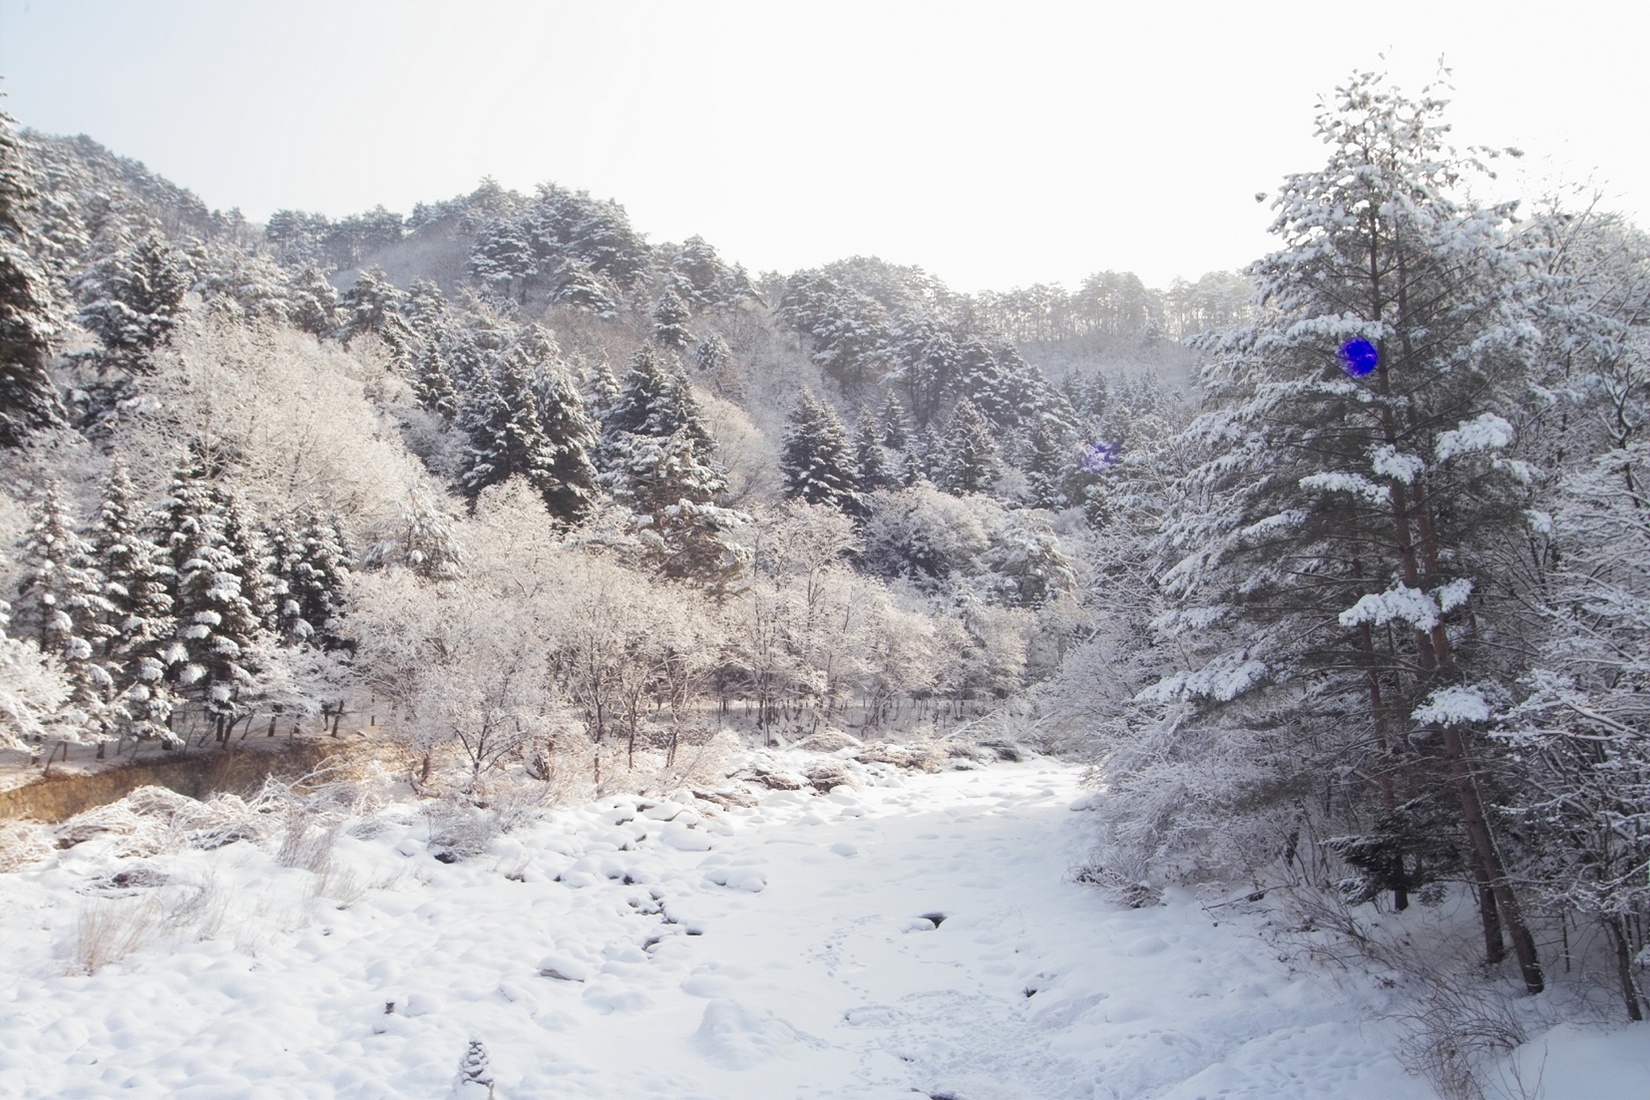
{"points": [[816, 458], [670, 318], [1580, 570], [418, 537], [312, 303], [33, 690], [1358, 468], [61, 602], [572, 437], [217, 626], [131, 300], [28, 400], [969, 462], [137, 584]]}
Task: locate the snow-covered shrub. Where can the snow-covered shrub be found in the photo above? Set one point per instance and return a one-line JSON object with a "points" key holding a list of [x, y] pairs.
{"points": [[21, 844]]}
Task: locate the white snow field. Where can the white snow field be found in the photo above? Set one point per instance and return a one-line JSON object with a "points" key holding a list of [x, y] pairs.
{"points": [[919, 937]]}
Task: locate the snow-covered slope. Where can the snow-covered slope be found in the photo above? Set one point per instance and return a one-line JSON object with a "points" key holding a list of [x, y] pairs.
{"points": [[918, 937]]}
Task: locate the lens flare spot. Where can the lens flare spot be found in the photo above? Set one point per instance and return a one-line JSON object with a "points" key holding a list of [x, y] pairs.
{"points": [[1359, 357]]}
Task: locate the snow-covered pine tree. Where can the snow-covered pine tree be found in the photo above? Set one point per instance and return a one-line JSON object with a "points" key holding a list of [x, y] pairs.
{"points": [[816, 458], [1332, 507], [501, 260], [670, 318], [572, 437], [659, 460], [130, 300], [599, 390], [28, 399], [875, 469], [970, 463], [60, 602], [137, 583], [311, 568], [1049, 463], [312, 303], [217, 625], [896, 436], [373, 304], [507, 437], [924, 459], [576, 286]]}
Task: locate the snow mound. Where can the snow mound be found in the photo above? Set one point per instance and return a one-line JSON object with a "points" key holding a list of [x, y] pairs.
{"points": [[735, 1036]]}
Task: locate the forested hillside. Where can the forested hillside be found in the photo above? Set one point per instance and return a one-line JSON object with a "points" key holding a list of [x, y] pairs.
{"points": [[533, 488], [1335, 569]]}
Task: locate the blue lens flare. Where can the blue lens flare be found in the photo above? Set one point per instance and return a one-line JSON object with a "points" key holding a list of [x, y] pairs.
{"points": [[1359, 357], [1099, 455]]}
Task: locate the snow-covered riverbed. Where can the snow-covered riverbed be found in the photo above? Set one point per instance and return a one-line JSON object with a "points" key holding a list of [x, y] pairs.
{"points": [[920, 938]]}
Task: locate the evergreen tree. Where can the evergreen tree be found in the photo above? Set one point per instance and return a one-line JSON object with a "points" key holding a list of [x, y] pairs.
{"points": [[432, 383], [130, 301], [60, 600], [312, 303], [572, 438], [247, 544], [576, 286], [502, 259], [1356, 476], [817, 459], [28, 400], [507, 436], [217, 625], [660, 461], [670, 318], [1049, 463], [970, 463], [654, 401], [137, 586], [892, 424], [875, 470], [312, 563], [600, 391], [373, 304]]}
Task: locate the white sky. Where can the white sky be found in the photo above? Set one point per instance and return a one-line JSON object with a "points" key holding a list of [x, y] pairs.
{"points": [[994, 146]]}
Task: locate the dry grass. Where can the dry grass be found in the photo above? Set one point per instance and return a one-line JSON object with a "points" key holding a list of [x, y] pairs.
{"points": [[108, 931]]}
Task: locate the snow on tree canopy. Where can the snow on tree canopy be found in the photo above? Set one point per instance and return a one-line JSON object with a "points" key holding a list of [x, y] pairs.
{"points": [[1409, 605], [1453, 705], [1487, 432]]}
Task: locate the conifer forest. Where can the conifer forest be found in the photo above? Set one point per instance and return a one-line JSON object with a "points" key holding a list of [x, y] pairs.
{"points": [[1324, 586]]}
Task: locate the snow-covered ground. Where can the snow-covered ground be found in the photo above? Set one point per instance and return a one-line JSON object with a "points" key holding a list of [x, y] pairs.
{"points": [[919, 937]]}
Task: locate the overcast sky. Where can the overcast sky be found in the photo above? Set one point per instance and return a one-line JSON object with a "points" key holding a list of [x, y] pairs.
{"points": [[993, 144]]}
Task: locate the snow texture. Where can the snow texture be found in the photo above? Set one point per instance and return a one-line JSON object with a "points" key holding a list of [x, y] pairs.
{"points": [[1488, 432], [1453, 705], [1409, 605], [654, 970]]}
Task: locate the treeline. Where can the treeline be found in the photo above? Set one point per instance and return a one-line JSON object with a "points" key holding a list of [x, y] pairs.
{"points": [[548, 522]]}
